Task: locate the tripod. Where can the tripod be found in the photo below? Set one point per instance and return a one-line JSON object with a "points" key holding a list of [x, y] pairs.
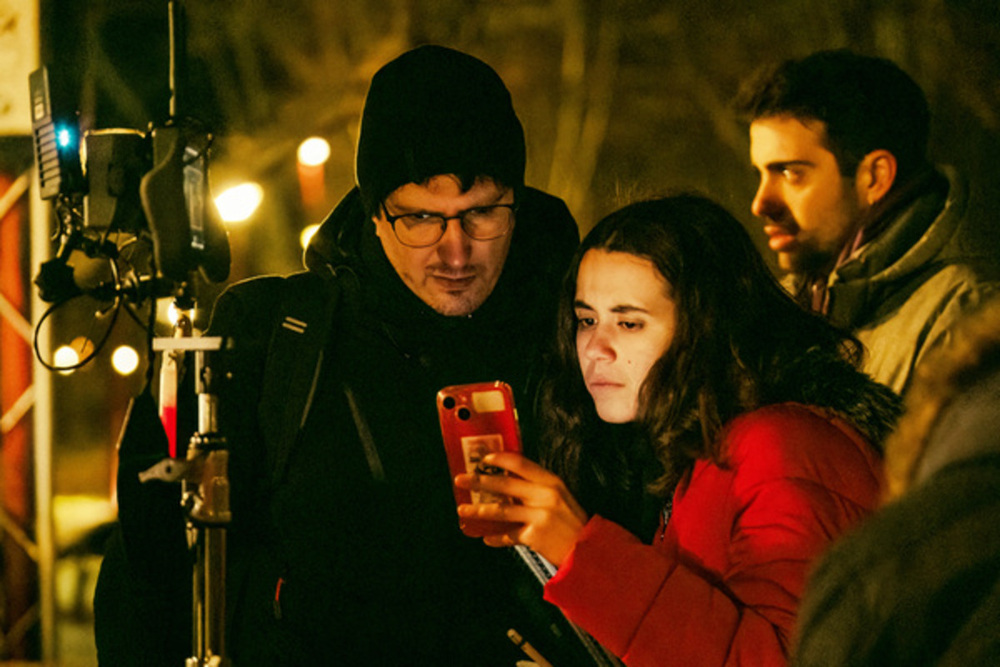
{"points": [[151, 187], [203, 475]]}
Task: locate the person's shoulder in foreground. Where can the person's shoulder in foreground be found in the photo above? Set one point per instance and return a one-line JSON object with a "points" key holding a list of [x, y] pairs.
{"points": [[919, 582]]}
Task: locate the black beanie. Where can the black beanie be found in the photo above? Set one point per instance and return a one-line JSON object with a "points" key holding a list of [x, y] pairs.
{"points": [[432, 111]]}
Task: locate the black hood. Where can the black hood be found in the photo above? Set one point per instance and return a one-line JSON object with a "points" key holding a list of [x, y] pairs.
{"points": [[337, 243]]}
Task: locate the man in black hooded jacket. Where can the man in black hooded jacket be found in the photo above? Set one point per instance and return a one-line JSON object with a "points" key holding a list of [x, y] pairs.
{"points": [[440, 268]]}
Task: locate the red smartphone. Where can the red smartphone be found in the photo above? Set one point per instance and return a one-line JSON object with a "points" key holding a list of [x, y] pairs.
{"points": [[477, 419]]}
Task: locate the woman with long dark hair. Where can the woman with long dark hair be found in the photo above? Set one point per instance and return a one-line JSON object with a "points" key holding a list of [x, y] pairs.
{"points": [[706, 439]]}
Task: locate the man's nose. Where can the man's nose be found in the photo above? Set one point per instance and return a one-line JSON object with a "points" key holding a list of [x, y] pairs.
{"points": [[455, 246], [764, 199]]}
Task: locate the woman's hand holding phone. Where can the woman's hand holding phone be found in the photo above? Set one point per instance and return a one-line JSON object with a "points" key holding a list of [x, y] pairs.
{"points": [[545, 515], [477, 419]]}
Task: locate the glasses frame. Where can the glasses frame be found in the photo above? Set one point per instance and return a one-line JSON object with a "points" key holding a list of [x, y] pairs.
{"points": [[391, 219]]}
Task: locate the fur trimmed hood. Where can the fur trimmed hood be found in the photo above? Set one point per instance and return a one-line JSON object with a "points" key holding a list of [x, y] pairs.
{"points": [[872, 408]]}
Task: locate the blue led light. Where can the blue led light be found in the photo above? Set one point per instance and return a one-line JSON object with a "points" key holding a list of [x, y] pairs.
{"points": [[64, 137]]}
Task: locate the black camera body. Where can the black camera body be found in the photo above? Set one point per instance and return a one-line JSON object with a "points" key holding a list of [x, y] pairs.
{"points": [[146, 184]]}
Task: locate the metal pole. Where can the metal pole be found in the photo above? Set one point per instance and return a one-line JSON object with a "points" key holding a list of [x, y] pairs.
{"points": [[178, 57], [209, 515], [204, 478], [42, 420]]}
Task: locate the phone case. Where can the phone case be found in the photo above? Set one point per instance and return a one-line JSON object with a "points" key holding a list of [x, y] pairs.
{"points": [[477, 419]]}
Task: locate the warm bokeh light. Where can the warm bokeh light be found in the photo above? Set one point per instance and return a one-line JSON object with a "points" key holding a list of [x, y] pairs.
{"points": [[314, 151], [65, 356], [174, 313], [238, 203], [307, 234], [125, 360], [77, 350]]}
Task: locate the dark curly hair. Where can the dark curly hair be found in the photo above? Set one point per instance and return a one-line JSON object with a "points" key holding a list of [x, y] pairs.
{"points": [[740, 343]]}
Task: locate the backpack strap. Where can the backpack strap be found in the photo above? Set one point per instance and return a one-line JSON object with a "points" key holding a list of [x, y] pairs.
{"points": [[294, 358]]}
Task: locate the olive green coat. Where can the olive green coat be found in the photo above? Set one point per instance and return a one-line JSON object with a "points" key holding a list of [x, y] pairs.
{"points": [[902, 293]]}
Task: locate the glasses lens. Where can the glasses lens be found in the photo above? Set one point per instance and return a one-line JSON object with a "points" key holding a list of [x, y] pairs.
{"points": [[484, 223], [488, 222], [419, 230]]}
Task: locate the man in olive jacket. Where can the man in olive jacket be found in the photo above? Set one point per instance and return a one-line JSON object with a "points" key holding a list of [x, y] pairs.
{"points": [[869, 231], [440, 268]]}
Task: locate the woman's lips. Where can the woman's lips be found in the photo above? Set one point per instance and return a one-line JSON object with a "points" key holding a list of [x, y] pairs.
{"points": [[603, 384]]}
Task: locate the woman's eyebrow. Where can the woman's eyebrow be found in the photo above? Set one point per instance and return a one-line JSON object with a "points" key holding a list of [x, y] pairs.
{"points": [[623, 308], [626, 308]]}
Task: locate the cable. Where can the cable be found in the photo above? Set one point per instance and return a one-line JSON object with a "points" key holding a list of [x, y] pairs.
{"points": [[115, 310]]}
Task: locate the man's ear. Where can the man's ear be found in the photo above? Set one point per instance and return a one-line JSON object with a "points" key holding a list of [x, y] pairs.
{"points": [[875, 176]]}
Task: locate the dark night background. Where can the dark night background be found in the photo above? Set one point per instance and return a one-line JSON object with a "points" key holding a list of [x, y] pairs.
{"points": [[619, 99]]}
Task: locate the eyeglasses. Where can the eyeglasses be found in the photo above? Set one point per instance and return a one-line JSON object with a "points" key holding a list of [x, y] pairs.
{"points": [[482, 223]]}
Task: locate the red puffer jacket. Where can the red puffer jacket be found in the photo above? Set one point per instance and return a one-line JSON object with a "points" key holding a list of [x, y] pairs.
{"points": [[721, 584]]}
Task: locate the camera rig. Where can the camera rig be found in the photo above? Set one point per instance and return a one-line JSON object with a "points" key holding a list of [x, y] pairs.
{"points": [[119, 188], [148, 186]]}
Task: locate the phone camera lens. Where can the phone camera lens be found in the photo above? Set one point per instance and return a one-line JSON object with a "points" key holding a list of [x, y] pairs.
{"points": [[448, 402], [464, 414]]}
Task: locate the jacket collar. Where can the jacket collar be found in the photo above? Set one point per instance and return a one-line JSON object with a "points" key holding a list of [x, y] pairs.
{"points": [[910, 238]]}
